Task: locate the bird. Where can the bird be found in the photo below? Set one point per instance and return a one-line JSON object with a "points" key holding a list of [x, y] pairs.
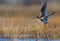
{"points": [[44, 15]]}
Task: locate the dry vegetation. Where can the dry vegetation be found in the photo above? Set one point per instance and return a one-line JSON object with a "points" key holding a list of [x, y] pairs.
{"points": [[22, 20]]}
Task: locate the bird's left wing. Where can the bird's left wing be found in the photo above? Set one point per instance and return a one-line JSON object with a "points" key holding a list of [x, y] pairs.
{"points": [[44, 10]]}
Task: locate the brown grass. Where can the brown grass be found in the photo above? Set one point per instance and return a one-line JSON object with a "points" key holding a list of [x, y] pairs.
{"points": [[23, 21]]}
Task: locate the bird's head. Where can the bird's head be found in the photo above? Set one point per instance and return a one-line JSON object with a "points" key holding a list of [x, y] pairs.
{"points": [[37, 16]]}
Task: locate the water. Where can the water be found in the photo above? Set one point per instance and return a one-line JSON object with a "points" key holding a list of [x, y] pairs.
{"points": [[31, 39]]}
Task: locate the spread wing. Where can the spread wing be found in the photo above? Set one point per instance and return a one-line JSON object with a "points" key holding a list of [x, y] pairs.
{"points": [[51, 14], [44, 10], [46, 17]]}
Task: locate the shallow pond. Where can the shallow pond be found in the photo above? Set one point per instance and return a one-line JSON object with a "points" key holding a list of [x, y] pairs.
{"points": [[16, 39]]}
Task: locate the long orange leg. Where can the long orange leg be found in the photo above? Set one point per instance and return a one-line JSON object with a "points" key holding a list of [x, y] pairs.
{"points": [[45, 27]]}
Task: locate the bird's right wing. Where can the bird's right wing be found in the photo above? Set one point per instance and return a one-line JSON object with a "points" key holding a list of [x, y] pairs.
{"points": [[51, 14]]}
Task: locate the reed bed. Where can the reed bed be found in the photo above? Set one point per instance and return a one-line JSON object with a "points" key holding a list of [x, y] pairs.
{"points": [[17, 23]]}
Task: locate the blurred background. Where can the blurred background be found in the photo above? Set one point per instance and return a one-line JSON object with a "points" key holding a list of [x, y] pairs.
{"points": [[25, 2], [18, 17]]}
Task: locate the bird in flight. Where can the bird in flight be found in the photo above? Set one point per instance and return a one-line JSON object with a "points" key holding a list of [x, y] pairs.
{"points": [[44, 15]]}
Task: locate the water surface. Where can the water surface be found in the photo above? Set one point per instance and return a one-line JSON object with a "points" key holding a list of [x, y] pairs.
{"points": [[30, 39]]}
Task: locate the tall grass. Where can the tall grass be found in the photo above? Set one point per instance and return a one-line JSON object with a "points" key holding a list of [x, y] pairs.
{"points": [[14, 22]]}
